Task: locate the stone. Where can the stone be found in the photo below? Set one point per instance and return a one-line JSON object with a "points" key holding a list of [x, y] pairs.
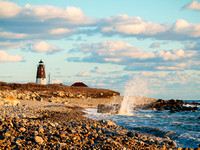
{"points": [[7, 134], [113, 109], [18, 142], [61, 94], [22, 129], [130, 134], [172, 111], [163, 147], [167, 137], [52, 124], [173, 144], [110, 123], [62, 144], [70, 95], [137, 135], [35, 133], [40, 130], [65, 103], [1, 102], [40, 99], [38, 139], [19, 96]]}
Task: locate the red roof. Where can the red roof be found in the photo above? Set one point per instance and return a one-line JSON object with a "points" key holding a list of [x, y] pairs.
{"points": [[81, 84]]}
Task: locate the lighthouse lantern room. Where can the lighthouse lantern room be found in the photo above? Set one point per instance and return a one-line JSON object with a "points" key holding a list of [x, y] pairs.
{"points": [[41, 77]]}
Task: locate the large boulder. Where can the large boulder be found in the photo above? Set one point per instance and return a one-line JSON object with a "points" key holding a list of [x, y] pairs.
{"points": [[113, 109]]}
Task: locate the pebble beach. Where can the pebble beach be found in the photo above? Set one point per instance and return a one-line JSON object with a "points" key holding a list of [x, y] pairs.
{"points": [[28, 126], [31, 120], [45, 125]]}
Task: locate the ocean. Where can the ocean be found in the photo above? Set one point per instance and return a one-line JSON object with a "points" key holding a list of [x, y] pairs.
{"points": [[182, 127]]}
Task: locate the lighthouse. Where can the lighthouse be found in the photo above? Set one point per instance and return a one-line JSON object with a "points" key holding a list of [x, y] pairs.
{"points": [[41, 78]]}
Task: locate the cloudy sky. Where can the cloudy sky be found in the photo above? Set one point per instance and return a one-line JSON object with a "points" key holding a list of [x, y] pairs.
{"points": [[104, 44]]}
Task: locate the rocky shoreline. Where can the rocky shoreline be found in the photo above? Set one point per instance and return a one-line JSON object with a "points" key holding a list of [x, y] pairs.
{"points": [[43, 124], [153, 104], [33, 128]]}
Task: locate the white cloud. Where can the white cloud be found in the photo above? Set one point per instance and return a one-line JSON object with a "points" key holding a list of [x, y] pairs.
{"points": [[132, 25], [156, 75], [117, 60], [40, 22], [57, 81], [14, 45], [96, 70], [169, 68], [125, 54], [5, 57], [182, 27], [175, 54], [11, 35], [72, 14], [176, 66], [155, 45], [9, 9], [44, 47], [101, 84], [194, 45], [193, 6], [120, 52], [83, 74], [99, 71], [59, 31], [135, 26], [50, 22], [148, 74], [114, 51]]}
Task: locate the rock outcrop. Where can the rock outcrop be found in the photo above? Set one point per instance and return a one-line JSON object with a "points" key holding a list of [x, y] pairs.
{"points": [[172, 105]]}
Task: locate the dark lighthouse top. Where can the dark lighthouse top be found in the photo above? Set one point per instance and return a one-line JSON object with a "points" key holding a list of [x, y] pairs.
{"points": [[41, 70]]}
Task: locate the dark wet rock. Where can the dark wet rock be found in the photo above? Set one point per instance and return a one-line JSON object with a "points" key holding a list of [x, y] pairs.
{"points": [[40, 99], [130, 134], [137, 135], [173, 144], [195, 108], [172, 110], [113, 109], [172, 105]]}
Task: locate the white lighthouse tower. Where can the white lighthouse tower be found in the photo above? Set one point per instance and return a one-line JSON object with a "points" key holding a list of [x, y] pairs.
{"points": [[41, 77]]}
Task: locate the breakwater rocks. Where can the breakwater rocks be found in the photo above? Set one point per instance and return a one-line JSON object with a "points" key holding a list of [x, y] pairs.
{"points": [[159, 105], [172, 105], [71, 130]]}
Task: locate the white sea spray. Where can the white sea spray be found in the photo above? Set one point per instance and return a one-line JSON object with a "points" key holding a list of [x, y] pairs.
{"points": [[135, 91]]}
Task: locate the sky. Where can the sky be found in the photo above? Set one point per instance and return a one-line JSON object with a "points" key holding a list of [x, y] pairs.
{"points": [[105, 44]]}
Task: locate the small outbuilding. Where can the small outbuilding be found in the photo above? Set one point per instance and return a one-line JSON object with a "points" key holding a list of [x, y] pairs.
{"points": [[79, 84]]}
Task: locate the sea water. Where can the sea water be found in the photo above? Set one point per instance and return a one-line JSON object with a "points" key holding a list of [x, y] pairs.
{"points": [[182, 127]]}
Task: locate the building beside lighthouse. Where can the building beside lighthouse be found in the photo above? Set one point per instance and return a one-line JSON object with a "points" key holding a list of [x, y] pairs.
{"points": [[41, 77]]}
